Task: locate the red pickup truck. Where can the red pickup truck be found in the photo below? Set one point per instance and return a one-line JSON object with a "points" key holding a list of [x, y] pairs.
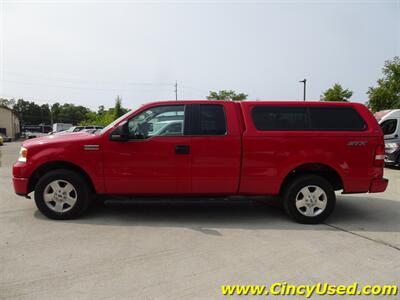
{"points": [[301, 151]]}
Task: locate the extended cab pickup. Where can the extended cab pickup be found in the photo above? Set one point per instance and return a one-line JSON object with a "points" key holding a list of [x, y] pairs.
{"points": [[301, 151]]}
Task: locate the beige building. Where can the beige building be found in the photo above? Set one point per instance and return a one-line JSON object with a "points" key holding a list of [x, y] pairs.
{"points": [[9, 123]]}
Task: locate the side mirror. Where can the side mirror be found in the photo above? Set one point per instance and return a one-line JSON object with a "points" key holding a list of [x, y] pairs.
{"points": [[121, 133]]}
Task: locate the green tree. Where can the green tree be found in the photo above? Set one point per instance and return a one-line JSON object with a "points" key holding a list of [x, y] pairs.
{"points": [[32, 113], [386, 95], [104, 116], [70, 113], [55, 112], [93, 118], [336, 93], [22, 108], [100, 111], [118, 110], [9, 103], [226, 95], [45, 115]]}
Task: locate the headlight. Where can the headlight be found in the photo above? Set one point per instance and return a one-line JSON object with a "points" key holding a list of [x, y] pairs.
{"points": [[391, 147], [23, 153]]}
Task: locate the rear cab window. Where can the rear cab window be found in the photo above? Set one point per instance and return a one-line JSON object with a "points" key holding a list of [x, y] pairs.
{"points": [[311, 118], [212, 120]]}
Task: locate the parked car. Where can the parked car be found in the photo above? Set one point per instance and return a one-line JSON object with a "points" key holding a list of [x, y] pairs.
{"points": [[89, 128], [1, 140], [167, 128], [297, 150], [92, 130], [389, 120], [33, 131], [392, 153], [6, 139]]}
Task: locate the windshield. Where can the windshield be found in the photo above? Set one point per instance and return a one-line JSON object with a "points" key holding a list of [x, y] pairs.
{"points": [[71, 129]]}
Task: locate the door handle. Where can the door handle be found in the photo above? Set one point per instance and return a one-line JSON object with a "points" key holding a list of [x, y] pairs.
{"points": [[182, 149]]}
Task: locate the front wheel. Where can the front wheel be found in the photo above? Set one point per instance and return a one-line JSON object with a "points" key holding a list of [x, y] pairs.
{"points": [[62, 194], [309, 199]]}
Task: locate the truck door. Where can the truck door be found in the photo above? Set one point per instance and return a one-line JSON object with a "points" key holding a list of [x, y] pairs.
{"points": [[215, 149], [156, 158]]}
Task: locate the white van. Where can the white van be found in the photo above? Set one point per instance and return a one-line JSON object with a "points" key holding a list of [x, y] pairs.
{"points": [[389, 120], [57, 127]]}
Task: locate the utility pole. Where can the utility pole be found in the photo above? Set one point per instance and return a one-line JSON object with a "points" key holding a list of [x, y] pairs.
{"points": [[304, 81], [176, 90], [51, 115]]}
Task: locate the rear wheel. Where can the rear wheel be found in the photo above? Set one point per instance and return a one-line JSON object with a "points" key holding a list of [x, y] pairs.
{"points": [[62, 194], [309, 199]]}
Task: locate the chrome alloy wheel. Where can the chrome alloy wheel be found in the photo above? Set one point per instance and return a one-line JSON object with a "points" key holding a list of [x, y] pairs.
{"points": [[60, 196], [311, 201]]}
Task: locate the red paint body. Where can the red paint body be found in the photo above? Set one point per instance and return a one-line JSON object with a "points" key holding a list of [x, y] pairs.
{"points": [[245, 161]]}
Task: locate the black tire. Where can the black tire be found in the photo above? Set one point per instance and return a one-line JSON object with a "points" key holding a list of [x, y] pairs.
{"points": [[292, 190], [81, 193]]}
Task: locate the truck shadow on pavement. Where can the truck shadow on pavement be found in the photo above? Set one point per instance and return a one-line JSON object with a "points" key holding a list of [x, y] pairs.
{"points": [[351, 213]]}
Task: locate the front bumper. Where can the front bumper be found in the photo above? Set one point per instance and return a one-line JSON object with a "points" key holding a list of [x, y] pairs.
{"points": [[21, 186], [390, 161], [378, 185], [392, 158]]}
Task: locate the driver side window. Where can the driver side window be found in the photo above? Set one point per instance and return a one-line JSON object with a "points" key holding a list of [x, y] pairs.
{"points": [[158, 121]]}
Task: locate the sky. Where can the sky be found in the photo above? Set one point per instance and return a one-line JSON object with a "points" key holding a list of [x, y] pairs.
{"points": [[88, 52]]}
